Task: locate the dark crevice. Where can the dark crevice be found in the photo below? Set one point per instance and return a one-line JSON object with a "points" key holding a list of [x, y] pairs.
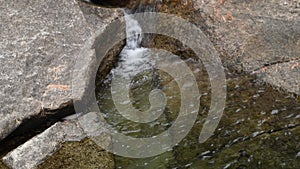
{"points": [[35, 125], [275, 63], [112, 3]]}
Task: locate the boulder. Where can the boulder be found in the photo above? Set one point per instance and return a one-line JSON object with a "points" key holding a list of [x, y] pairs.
{"points": [[33, 152], [39, 47], [39, 44], [257, 37]]}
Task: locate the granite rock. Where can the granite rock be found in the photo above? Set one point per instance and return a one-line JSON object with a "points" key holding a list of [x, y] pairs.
{"points": [[36, 150], [253, 36], [39, 44]]}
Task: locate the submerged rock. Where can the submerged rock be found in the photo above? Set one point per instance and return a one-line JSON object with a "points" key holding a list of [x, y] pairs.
{"points": [[83, 154]]}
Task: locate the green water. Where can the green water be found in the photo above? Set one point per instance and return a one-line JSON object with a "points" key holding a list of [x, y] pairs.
{"points": [[259, 128]]}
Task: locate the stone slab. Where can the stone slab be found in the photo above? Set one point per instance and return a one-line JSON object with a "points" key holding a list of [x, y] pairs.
{"points": [[252, 35], [36, 150], [39, 44]]}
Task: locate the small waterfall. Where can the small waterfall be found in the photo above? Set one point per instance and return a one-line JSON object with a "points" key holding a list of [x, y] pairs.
{"points": [[133, 32], [133, 57]]}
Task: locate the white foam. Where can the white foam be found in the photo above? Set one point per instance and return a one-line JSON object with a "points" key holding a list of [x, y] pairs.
{"points": [[133, 58], [133, 32]]}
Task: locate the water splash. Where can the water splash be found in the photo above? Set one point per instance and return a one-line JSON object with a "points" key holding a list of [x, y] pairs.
{"points": [[134, 59], [133, 32]]}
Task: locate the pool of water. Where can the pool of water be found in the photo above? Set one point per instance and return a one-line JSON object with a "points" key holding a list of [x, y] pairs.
{"points": [[259, 128]]}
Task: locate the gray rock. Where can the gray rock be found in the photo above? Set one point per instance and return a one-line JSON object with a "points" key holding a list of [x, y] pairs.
{"points": [[36, 150], [97, 16], [40, 41], [257, 34], [285, 75], [39, 45]]}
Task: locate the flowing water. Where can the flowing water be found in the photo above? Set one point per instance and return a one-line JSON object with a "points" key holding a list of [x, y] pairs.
{"points": [[133, 57], [135, 64], [257, 118], [259, 128]]}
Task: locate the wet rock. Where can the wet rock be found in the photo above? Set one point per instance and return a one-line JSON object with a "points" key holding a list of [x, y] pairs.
{"points": [[298, 154]]}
